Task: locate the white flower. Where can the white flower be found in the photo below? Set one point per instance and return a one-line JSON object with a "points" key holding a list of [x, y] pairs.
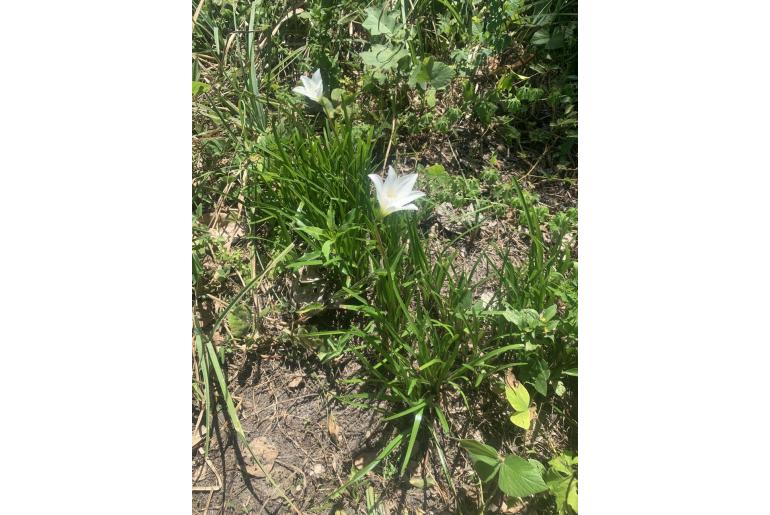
{"points": [[395, 193], [312, 88]]}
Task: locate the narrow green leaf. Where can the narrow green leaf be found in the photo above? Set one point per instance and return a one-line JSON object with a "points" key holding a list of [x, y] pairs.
{"points": [[412, 438], [442, 419], [417, 407], [430, 363], [361, 473]]}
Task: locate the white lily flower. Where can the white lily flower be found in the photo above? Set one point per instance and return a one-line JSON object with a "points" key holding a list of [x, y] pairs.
{"points": [[395, 193], [312, 88]]}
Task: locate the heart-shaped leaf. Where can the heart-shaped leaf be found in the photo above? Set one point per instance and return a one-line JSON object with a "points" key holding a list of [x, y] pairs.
{"points": [[379, 22], [430, 73], [382, 57], [517, 396], [521, 419], [519, 478]]}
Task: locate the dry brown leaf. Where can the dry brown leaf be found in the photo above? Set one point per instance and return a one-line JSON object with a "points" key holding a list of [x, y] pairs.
{"points": [[265, 452], [295, 382], [504, 508], [510, 379], [363, 458], [334, 428]]}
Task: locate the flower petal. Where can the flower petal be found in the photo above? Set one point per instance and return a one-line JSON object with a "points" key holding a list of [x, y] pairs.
{"points": [[409, 198], [300, 90], [377, 181], [317, 77], [392, 179], [306, 82], [408, 207], [406, 183]]}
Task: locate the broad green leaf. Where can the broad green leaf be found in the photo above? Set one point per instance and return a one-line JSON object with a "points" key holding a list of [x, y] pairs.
{"points": [[556, 40], [525, 319], [519, 478], [485, 459], [418, 76], [549, 312], [563, 463], [430, 97], [540, 373], [337, 94], [513, 316], [239, 321], [529, 346], [199, 87], [521, 419], [441, 75], [505, 82], [479, 449], [564, 491], [382, 57], [435, 170], [539, 466], [541, 37], [326, 248], [431, 73], [518, 397], [571, 372], [572, 496], [379, 22]]}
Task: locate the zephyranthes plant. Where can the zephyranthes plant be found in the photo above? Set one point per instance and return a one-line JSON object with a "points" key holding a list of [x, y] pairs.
{"points": [[395, 193], [312, 88]]}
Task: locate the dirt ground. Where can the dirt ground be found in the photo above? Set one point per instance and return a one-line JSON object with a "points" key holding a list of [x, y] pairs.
{"points": [[310, 443]]}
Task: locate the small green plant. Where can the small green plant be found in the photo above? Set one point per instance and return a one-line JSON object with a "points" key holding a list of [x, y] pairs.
{"points": [[561, 479], [518, 397], [516, 477]]}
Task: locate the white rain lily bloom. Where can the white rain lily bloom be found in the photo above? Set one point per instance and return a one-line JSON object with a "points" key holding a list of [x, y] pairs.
{"points": [[395, 193], [312, 88]]}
